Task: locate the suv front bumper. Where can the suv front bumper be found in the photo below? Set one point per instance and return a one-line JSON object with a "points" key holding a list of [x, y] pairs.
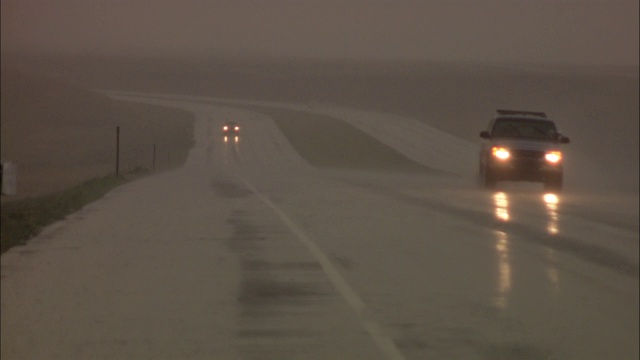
{"points": [[515, 170]]}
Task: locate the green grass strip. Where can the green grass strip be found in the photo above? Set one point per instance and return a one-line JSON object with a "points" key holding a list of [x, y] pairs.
{"points": [[24, 219]]}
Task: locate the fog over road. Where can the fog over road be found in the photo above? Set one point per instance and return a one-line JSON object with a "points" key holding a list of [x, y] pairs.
{"points": [[307, 238]]}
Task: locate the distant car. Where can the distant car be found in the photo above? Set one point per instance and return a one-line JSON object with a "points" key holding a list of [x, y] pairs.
{"points": [[230, 128], [522, 146]]}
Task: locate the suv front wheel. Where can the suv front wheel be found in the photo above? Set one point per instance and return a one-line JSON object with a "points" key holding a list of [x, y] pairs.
{"points": [[487, 178], [553, 182]]}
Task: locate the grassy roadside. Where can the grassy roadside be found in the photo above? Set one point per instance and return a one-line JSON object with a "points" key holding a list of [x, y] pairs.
{"points": [[23, 219]]}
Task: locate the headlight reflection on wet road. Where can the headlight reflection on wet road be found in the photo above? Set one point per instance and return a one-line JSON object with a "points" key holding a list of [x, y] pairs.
{"points": [[501, 202], [552, 271], [231, 148], [551, 203], [502, 213], [236, 139], [504, 270]]}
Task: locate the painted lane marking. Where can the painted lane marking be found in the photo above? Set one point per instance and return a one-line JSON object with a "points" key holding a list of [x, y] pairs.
{"points": [[350, 296]]}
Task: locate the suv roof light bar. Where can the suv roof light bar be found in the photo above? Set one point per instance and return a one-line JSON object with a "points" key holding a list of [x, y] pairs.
{"points": [[521, 112]]}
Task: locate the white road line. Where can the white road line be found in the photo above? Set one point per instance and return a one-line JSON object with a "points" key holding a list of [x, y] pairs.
{"points": [[351, 297]]}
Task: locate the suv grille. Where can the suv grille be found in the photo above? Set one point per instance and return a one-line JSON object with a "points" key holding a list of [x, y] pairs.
{"points": [[527, 154]]}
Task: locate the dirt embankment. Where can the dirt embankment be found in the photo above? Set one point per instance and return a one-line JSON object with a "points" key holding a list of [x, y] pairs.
{"points": [[60, 135]]}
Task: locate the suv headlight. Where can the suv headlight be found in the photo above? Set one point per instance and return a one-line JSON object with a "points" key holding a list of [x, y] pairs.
{"points": [[500, 153], [553, 157]]}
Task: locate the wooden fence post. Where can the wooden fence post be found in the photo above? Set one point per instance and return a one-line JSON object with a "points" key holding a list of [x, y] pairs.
{"points": [[117, 150], [154, 157]]}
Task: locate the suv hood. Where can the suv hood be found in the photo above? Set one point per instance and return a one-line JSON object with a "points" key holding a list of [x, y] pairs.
{"points": [[527, 144]]}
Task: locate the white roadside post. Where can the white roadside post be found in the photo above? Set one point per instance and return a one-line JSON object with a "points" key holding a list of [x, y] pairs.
{"points": [[9, 175]]}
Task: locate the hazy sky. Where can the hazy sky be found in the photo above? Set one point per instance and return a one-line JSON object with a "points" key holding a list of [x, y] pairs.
{"points": [[556, 31]]}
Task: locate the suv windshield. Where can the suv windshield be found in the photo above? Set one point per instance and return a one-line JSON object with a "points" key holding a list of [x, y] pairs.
{"points": [[525, 129]]}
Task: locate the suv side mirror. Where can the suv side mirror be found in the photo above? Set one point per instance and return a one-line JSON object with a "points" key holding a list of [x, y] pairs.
{"points": [[563, 139], [485, 135]]}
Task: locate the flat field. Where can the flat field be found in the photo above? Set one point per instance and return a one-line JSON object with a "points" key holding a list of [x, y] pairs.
{"points": [[61, 134]]}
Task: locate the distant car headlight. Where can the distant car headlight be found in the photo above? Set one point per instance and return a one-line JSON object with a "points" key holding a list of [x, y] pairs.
{"points": [[500, 153], [225, 128], [237, 128], [553, 157]]}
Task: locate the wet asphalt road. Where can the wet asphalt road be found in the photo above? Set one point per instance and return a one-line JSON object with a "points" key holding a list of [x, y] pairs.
{"points": [[251, 251]]}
